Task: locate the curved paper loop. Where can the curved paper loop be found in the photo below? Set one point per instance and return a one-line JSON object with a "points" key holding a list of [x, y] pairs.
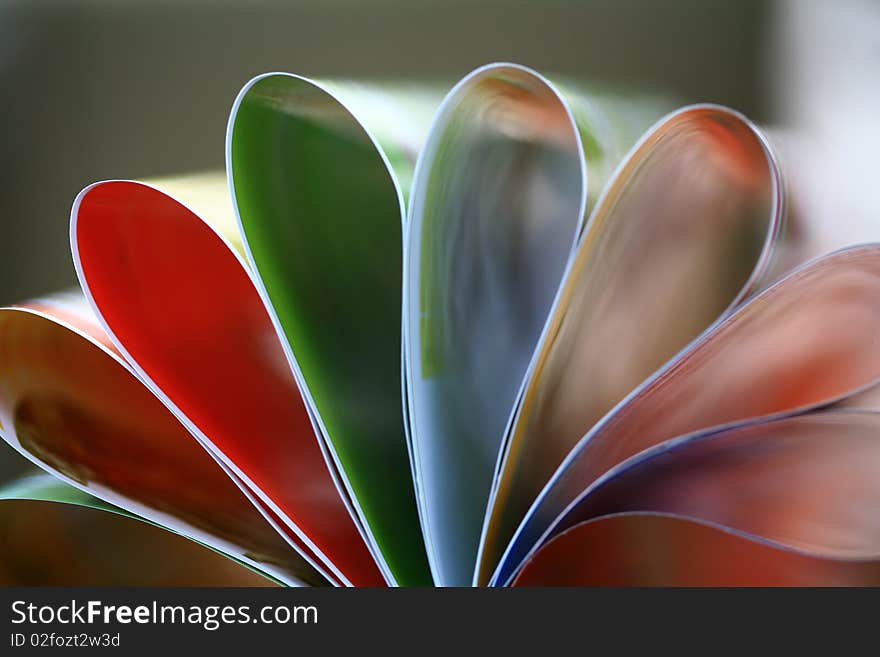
{"points": [[636, 549], [808, 482], [682, 233], [82, 541], [321, 212], [75, 409], [183, 309], [498, 196], [807, 341], [499, 200]]}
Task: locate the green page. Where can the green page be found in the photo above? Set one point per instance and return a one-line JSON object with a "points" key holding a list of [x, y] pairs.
{"points": [[46, 488], [321, 213]]}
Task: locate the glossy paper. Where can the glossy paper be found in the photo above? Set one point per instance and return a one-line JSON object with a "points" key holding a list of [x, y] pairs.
{"points": [[321, 213], [682, 232], [500, 196], [180, 304], [658, 550], [82, 541], [781, 480], [544, 355], [70, 406], [805, 342]]}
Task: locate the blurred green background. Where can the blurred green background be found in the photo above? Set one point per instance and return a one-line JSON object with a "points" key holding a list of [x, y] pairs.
{"points": [[100, 89]]}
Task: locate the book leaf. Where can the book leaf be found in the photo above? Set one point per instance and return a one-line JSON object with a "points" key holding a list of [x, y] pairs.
{"points": [[321, 212], [806, 342], [646, 549], [70, 404]]}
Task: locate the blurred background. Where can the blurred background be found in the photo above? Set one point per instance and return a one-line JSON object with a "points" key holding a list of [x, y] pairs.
{"points": [[96, 89]]}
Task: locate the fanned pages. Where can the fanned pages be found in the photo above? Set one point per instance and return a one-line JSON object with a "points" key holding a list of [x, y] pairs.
{"points": [[182, 307], [646, 549], [681, 233], [526, 334], [775, 483], [500, 195], [806, 342], [72, 406]]}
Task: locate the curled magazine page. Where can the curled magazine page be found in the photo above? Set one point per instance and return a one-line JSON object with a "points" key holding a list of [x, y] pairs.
{"points": [[74, 408], [640, 549], [805, 484], [181, 306], [497, 198], [321, 213], [498, 201], [81, 541], [808, 481], [805, 342], [681, 234]]}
